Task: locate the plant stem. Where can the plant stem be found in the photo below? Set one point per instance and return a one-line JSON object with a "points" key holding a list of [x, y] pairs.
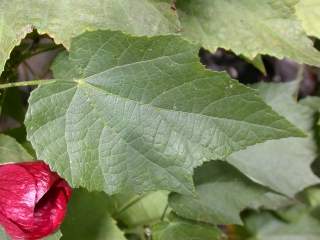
{"points": [[130, 203], [25, 83], [164, 212]]}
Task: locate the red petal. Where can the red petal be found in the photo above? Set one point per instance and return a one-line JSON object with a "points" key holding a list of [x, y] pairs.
{"points": [[17, 194], [33, 200], [51, 210], [43, 176], [11, 228]]}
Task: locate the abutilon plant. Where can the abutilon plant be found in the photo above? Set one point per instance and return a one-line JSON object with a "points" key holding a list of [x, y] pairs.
{"points": [[159, 119]]}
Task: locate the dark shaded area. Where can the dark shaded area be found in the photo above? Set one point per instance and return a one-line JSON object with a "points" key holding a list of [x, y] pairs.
{"points": [[30, 60], [235, 66], [87, 216], [315, 166], [276, 70]]}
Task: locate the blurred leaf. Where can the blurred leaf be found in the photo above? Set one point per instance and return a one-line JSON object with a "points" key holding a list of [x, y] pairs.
{"points": [[12, 151], [283, 165], [3, 235], [88, 218], [179, 229], [258, 63], [64, 19], [308, 11], [145, 211], [312, 102], [311, 196], [55, 236], [221, 193], [248, 27], [266, 225]]}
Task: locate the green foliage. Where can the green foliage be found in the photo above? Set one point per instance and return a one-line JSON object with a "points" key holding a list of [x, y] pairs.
{"points": [[221, 193], [309, 13], [64, 19], [179, 229], [283, 165], [55, 236], [248, 27], [138, 114], [162, 147], [12, 151], [3, 235], [142, 209], [88, 218], [296, 222]]}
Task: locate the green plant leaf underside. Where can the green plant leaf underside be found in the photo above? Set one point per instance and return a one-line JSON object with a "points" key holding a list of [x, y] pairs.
{"points": [[248, 27], [64, 19], [135, 114]]}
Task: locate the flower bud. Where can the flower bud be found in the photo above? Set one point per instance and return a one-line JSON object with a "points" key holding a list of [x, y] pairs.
{"points": [[33, 200]]}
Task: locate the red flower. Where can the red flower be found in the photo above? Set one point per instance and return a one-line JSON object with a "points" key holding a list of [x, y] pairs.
{"points": [[33, 200]]}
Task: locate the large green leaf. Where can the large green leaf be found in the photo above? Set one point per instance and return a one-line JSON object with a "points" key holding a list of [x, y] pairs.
{"points": [[309, 13], [63, 19], [248, 27], [12, 151], [88, 218], [221, 193], [136, 114], [283, 165], [179, 229]]}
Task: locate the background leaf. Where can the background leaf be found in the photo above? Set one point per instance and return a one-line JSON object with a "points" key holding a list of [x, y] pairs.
{"points": [[247, 27], [145, 211], [88, 218], [296, 222], [138, 114], [64, 19], [308, 11], [221, 193], [3, 235], [55, 236], [179, 229], [12, 151]]}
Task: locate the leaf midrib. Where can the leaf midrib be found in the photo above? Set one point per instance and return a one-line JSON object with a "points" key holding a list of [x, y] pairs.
{"points": [[85, 83]]}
